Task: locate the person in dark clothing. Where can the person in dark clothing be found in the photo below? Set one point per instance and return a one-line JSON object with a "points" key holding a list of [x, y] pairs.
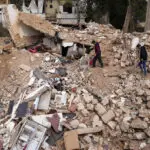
{"points": [[97, 54], [143, 58]]}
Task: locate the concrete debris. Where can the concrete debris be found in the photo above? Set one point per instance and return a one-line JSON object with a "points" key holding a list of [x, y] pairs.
{"points": [[68, 104], [139, 135], [32, 140], [71, 140], [44, 101], [100, 109], [139, 124], [36, 92], [74, 124], [108, 116]]}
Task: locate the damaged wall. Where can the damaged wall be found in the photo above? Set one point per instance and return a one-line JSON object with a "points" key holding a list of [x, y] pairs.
{"points": [[21, 34], [44, 26]]}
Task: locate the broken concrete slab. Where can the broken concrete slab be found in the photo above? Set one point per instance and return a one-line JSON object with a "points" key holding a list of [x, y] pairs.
{"points": [[108, 116], [97, 124], [71, 140], [42, 119], [38, 74], [63, 33], [139, 124], [44, 101], [21, 34], [139, 135], [112, 124], [89, 130], [74, 124], [100, 109], [38, 23], [36, 92]]}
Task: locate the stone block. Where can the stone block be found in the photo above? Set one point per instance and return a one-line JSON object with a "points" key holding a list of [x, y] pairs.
{"points": [[100, 109], [108, 116], [139, 124]]}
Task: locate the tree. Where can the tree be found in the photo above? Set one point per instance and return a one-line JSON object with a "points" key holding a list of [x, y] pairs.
{"points": [[117, 12], [147, 24], [96, 9], [127, 18]]}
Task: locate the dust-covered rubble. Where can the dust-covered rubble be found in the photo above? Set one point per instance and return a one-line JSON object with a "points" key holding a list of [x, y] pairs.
{"points": [[62, 96]]}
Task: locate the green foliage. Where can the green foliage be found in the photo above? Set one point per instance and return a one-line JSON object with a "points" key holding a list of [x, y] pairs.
{"points": [[96, 9], [139, 9], [117, 10]]}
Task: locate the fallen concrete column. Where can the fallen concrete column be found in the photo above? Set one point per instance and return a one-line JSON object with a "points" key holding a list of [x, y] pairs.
{"points": [[89, 130], [36, 93]]}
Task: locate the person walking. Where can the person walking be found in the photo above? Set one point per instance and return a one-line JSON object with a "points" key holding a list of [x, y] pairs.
{"points": [[143, 58], [97, 54]]}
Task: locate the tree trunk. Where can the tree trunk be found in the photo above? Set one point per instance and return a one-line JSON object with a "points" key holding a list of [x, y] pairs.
{"points": [[147, 24], [78, 13], [105, 18], [127, 18]]}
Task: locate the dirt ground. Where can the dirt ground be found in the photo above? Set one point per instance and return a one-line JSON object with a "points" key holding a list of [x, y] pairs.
{"points": [[11, 62]]}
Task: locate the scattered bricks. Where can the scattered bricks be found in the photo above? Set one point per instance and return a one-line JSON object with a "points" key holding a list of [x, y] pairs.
{"points": [[147, 131], [147, 92], [134, 145], [139, 135], [87, 98], [80, 107], [82, 125], [119, 92], [87, 139], [96, 118], [148, 98], [105, 101], [140, 92], [108, 116], [125, 126], [100, 109], [144, 113], [85, 112], [112, 124], [139, 124], [74, 124], [90, 107], [94, 101], [148, 104], [97, 124], [3, 131]]}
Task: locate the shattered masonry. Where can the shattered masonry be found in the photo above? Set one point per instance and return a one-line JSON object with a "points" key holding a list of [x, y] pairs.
{"points": [[66, 104]]}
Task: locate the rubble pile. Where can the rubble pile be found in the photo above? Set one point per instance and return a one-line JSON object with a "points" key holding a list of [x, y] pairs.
{"points": [[66, 89], [124, 55], [56, 105], [93, 30]]}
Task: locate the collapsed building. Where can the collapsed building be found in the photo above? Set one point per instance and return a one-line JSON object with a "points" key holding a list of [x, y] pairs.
{"points": [[63, 104], [26, 29]]}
